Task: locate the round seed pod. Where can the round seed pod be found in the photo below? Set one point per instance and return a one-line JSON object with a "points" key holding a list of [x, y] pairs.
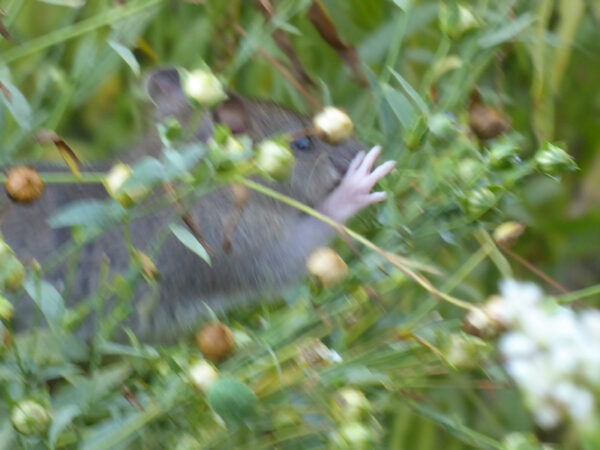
{"points": [[275, 159], [29, 417], [327, 266], [23, 184], [333, 125], [216, 341]]}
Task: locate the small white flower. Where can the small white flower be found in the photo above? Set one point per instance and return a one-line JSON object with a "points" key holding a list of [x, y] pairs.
{"points": [[589, 364], [522, 293], [203, 375], [582, 405], [537, 326], [547, 416], [562, 359], [203, 87], [499, 310], [590, 320], [516, 345]]}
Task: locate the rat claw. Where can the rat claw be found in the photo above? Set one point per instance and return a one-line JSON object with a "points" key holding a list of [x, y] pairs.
{"points": [[367, 163], [355, 162]]}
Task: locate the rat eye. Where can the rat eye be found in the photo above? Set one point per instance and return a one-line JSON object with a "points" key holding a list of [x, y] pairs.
{"points": [[303, 143]]}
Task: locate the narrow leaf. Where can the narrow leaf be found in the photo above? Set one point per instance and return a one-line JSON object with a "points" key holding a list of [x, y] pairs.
{"points": [[507, 32], [127, 55], [47, 298], [61, 419], [190, 241], [96, 213], [410, 91]]}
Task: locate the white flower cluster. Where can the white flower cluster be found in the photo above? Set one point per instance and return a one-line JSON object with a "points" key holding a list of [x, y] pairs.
{"points": [[552, 353]]}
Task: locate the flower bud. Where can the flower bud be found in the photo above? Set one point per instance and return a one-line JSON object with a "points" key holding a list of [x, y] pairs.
{"points": [[333, 125], [148, 267], [233, 147], [188, 442], [508, 232], [465, 352], [169, 130], [553, 160], [29, 417], [23, 184], [12, 272], [479, 202], [352, 404], [114, 184], [455, 19], [6, 309], [442, 126], [275, 159], [203, 375], [478, 323], [503, 155], [216, 341], [203, 87], [327, 267], [353, 435]]}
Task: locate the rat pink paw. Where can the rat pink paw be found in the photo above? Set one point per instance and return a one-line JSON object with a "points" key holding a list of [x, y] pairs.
{"points": [[354, 191]]}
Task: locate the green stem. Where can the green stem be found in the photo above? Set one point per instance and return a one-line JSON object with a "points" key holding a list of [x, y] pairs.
{"points": [[68, 178], [582, 293]]}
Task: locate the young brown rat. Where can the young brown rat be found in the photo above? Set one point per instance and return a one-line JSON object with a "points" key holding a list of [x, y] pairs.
{"points": [[267, 248]]}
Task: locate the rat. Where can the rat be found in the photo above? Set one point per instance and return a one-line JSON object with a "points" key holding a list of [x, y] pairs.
{"points": [[267, 249]]}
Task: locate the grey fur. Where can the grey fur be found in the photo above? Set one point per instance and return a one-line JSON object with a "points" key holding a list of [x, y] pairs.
{"points": [[269, 245]]}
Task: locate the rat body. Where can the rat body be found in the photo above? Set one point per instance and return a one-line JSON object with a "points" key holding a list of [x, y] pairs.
{"points": [[268, 245]]}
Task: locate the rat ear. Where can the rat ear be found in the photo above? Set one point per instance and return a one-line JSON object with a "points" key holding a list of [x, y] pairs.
{"points": [[164, 88], [233, 113]]}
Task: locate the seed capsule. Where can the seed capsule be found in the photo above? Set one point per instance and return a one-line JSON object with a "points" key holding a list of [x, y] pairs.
{"points": [[23, 184], [216, 341], [327, 267], [29, 417], [333, 124]]}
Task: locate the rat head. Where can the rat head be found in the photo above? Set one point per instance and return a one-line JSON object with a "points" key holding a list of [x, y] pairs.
{"points": [[319, 166]]}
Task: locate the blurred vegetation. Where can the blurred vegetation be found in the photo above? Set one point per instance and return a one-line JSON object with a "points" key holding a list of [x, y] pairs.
{"points": [[77, 68]]}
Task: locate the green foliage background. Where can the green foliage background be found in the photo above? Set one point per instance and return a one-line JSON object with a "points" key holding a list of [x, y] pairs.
{"points": [[77, 68]]}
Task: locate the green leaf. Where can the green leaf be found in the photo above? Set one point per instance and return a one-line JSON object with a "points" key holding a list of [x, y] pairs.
{"points": [[127, 55], [15, 101], [400, 105], [47, 298], [110, 433], [506, 32], [67, 3], [113, 348], [410, 91], [190, 241], [88, 213], [178, 163], [61, 419], [146, 174]]}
